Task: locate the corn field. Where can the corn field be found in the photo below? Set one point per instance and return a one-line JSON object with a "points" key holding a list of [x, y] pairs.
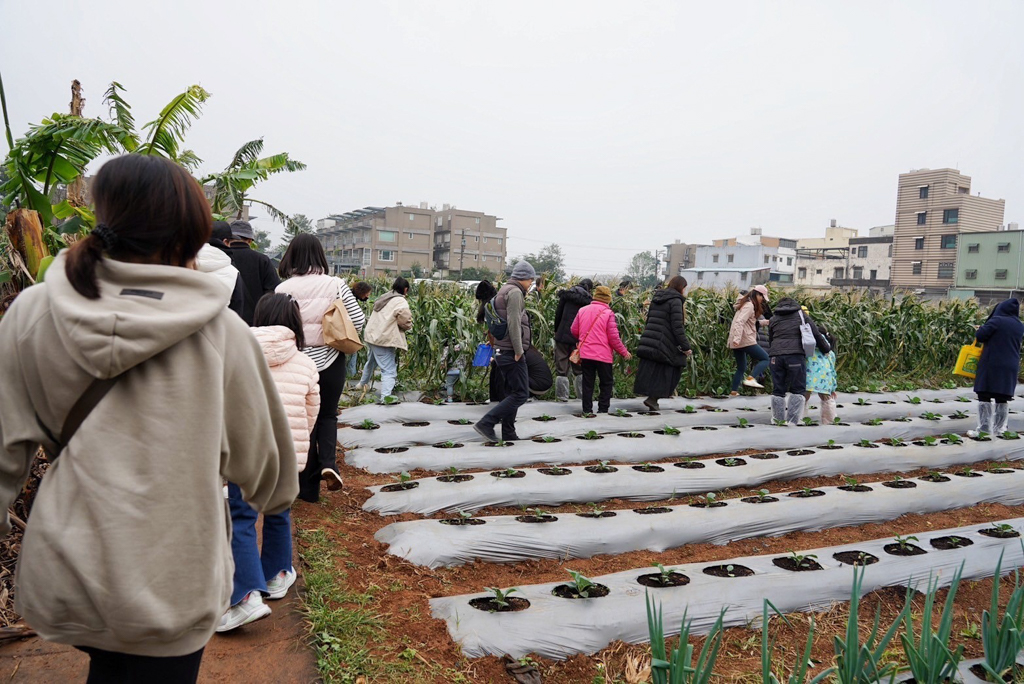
{"points": [[881, 342]]}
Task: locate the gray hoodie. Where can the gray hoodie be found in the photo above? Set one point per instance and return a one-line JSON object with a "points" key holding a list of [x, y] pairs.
{"points": [[128, 545]]}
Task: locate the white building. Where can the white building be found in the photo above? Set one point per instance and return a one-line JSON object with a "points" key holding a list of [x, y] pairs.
{"points": [[743, 261]]}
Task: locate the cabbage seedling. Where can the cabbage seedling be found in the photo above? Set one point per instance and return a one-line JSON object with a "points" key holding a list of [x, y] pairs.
{"points": [[959, 415], [904, 542], [953, 438], [928, 415], [500, 597], [874, 421], [621, 413], [664, 574], [539, 513], [743, 422], [591, 434], [368, 425], [581, 583], [669, 430], [914, 400], [763, 495], [688, 409], [802, 560]]}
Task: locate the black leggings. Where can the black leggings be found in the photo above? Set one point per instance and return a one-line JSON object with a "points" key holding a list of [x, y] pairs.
{"points": [[323, 440], [989, 396], [108, 667]]}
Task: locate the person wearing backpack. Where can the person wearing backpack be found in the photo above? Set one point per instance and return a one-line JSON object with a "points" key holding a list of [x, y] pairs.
{"points": [[598, 335], [509, 324], [792, 338]]}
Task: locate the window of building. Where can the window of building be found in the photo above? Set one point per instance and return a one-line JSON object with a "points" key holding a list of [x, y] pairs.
{"points": [[438, 222], [837, 273], [946, 269], [474, 257], [478, 221], [874, 274], [974, 249], [971, 274], [1003, 247], [485, 241], [700, 275], [789, 261], [862, 252], [919, 243], [410, 236], [714, 258], [915, 267], [818, 272], [890, 251], [412, 217], [766, 258], [949, 242], [500, 241], [962, 190], [950, 215], [1001, 274], [801, 272], [730, 257], [922, 218], [385, 255], [387, 236], [476, 238], [743, 276], [922, 192], [858, 272]]}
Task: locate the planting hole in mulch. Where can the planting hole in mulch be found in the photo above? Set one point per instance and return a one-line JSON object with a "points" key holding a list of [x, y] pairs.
{"points": [[829, 447], [568, 591], [554, 471], [448, 445], [968, 474], [460, 421], [703, 504], [652, 511], [416, 423], [656, 581], [601, 469], [400, 487], [764, 457], [366, 427], [536, 518], [758, 499], [1000, 471], [787, 563], [1017, 675], [856, 488], [499, 444], [800, 452], [585, 415], [458, 522], [509, 475], [747, 408], [900, 484], [705, 428], [935, 477], [866, 445], [998, 533], [632, 435], [689, 464], [728, 571], [902, 420], [951, 542], [391, 450], [809, 494], [895, 549], [662, 432], [731, 462], [855, 558], [544, 419], [602, 514], [455, 478], [491, 605], [887, 402], [649, 469], [548, 440], [648, 413], [591, 438], [742, 427]]}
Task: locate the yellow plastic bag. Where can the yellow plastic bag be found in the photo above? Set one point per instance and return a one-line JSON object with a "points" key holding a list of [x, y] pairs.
{"points": [[967, 361]]}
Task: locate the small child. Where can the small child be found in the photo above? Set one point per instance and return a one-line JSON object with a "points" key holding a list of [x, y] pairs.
{"points": [[821, 378], [278, 328], [453, 357], [598, 333]]}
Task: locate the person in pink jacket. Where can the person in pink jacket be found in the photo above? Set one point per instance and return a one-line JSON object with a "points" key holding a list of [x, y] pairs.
{"points": [[268, 571], [596, 329]]}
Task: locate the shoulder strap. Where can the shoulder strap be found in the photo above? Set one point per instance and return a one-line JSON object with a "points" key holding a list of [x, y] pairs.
{"points": [[592, 326], [92, 396]]}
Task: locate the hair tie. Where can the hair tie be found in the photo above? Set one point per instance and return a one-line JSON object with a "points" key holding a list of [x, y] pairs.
{"points": [[107, 236]]}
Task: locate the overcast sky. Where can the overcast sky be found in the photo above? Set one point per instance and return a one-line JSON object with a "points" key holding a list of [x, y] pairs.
{"points": [[608, 127]]}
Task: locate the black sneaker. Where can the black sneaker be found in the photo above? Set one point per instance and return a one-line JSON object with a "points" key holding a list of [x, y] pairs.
{"points": [[486, 431]]}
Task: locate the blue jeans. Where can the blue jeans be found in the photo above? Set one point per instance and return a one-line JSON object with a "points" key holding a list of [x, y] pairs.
{"points": [[252, 567], [450, 379], [383, 358], [755, 352], [350, 369]]}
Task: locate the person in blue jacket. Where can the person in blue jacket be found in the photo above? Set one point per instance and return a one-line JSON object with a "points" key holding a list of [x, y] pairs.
{"points": [[998, 367]]}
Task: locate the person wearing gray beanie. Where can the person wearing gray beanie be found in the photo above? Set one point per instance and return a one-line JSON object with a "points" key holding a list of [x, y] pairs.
{"points": [[509, 355]]}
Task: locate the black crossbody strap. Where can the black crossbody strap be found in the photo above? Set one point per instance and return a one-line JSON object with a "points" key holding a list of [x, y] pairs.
{"points": [[92, 396]]}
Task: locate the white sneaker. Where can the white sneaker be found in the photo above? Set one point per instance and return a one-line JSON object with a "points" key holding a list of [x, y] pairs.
{"points": [[279, 585], [248, 610], [332, 478], [751, 382]]}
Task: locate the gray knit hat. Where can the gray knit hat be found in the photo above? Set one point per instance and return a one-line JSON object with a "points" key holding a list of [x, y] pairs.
{"points": [[242, 229], [523, 271]]}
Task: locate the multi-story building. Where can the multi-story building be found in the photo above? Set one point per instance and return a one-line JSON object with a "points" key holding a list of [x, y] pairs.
{"points": [[377, 241], [835, 236], [679, 256], [989, 266], [933, 208], [861, 263], [743, 261]]}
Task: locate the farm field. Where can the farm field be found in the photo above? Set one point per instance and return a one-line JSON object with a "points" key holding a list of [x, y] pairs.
{"points": [[381, 573]]}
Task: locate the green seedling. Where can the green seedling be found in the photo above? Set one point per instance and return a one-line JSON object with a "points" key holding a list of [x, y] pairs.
{"points": [[830, 443], [403, 477], [1003, 528], [368, 425], [451, 470], [963, 400], [862, 402], [463, 514], [634, 434], [972, 631], [928, 415], [807, 491], [953, 438], [802, 559], [509, 472], [914, 400], [548, 439], [546, 417], [851, 481], [603, 465], [500, 597], [689, 409], [709, 498], [389, 400], [875, 421], [807, 421], [590, 434], [596, 509], [539, 513], [897, 442], [904, 542], [930, 441], [732, 461], [730, 570], [449, 444], [501, 443], [620, 413], [763, 494], [645, 464], [837, 421], [779, 423], [581, 583], [897, 478], [966, 472], [866, 443], [664, 574], [465, 421], [743, 422], [1010, 435], [669, 430], [958, 415]]}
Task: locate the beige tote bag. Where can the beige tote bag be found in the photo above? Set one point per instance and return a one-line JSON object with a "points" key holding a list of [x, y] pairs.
{"points": [[339, 332]]}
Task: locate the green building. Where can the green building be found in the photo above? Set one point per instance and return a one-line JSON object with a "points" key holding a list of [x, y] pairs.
{"points": [[990, 266]]}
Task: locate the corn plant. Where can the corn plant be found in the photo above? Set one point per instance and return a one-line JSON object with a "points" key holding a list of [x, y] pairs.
{"points": [[798, 674], [928, 654], [860, 662], [500, 597], [1001, 633], [678, 667]]}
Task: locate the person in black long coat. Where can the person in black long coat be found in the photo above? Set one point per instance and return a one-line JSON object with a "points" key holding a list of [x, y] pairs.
{"points": [[996, 380], [663, 349]]}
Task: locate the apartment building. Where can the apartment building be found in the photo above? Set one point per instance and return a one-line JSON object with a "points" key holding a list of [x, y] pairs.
{"points": [[835, 236], [854, 263], [989, 266], [743, 261], [379, 241], [934, 207], [679, 256]]}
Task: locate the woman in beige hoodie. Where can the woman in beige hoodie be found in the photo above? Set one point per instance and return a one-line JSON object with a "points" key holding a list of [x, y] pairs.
{"points": [[743, 338], [390, 320], [127, 554]]}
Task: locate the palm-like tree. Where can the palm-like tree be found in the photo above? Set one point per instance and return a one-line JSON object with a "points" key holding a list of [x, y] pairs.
{"points": [[247, 168]]}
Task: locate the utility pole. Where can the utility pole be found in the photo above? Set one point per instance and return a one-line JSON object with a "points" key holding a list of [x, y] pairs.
{"points": [[462, 252]]}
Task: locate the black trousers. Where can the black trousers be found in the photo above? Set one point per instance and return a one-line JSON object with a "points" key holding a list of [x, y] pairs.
{"points": [[108, 667], [990, 396], [323, 440], [789, 374], [605, 374], [516, 377]]}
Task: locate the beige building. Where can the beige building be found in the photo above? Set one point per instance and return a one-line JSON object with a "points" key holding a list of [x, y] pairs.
{"points": [[933, 207], [835, 236], [381, 241], [679, 256]]}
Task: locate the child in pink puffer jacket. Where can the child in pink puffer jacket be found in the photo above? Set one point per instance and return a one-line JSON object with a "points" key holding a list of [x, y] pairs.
{"points": [[596, 329], [268, 571]]}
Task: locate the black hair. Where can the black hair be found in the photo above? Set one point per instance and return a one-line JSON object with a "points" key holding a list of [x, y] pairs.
{"points": [[485, 292], [278, 308], [587, 284], [400, 285], [304, 255], [221, 233], [361, 289], [146, 206]]}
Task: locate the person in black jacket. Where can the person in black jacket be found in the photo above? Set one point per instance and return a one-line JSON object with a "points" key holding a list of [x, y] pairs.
{"points": [[219, 238], [998, 366], [788, 359], [258, 274], [570, 301], [663, 348]]}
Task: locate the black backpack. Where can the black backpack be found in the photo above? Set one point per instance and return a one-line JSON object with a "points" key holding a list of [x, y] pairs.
{"points": [[496, 325]]}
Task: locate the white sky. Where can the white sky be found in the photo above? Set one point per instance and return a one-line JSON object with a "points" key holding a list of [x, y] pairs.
{"points": [[609, 127]]}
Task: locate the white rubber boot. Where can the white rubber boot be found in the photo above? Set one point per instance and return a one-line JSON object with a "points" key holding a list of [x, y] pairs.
{"points": [[779, 409], [984, 419], [795, 408], [828, 410], [1001, 419], [577, 382], [562, 388]]}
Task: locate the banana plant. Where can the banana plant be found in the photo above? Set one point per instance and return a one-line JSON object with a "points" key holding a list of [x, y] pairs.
{"points": [[247, 168]]}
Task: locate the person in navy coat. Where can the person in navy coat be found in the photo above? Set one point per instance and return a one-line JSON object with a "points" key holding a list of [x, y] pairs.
{"points": [[998, 367]]}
